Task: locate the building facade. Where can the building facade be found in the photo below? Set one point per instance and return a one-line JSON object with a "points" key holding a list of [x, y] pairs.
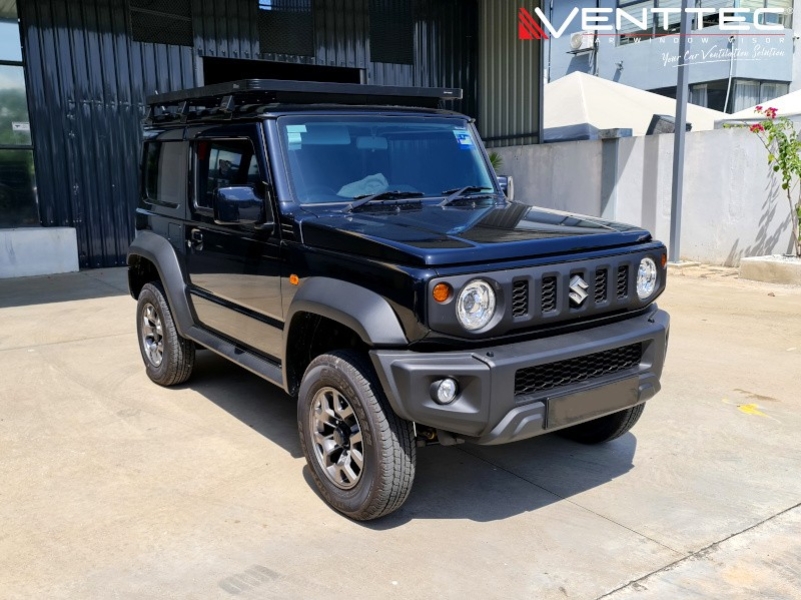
{"points": [[727, 73], [74, 75]]}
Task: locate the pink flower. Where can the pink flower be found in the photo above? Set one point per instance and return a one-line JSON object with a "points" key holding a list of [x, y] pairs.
{"points": [[758, 108], [771, 112], [757, 127]]}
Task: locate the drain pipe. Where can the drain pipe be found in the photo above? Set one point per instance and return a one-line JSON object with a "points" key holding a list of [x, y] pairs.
{"points": [[550, 43], [731, 71], [596, 43]]}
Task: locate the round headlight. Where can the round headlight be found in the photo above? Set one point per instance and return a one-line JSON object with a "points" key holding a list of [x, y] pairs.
{"points": [[647, 276], [475, 306]]}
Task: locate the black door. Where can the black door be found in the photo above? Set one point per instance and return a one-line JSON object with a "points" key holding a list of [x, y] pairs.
{"points": [[234, 267]]}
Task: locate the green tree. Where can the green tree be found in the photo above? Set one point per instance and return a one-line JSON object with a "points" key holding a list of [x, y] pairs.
{"points": [[13, 109]]}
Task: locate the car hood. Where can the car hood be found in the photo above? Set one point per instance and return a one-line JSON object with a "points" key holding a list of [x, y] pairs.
{"points": [[430, 235]]}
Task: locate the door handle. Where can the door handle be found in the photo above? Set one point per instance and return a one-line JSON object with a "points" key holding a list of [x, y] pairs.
{"points": [[195, 239]]}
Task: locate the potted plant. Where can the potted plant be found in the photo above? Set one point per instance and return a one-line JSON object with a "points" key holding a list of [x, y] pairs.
{"points": [[505, 181]]}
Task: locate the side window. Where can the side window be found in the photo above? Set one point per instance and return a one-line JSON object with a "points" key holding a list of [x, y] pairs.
{"points": [[165, 173], [224, 163]]}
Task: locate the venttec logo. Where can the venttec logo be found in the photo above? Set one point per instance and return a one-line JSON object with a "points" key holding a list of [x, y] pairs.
{"points": [[608, 20]]}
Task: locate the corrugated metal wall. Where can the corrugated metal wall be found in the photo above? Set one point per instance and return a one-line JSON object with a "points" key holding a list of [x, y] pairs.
{"points": [[446, 53], [227, 29], [511, 77], [86, 87], [446, 45], [87, 80]]}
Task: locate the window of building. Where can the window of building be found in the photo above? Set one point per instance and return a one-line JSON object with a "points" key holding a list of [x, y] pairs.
{"points": [[747, 93], [161, 22], [641, 13], [10, 46], [392, 31], [711, 94], [785, 18], [286, 27], [742, 93], [18, 203]]}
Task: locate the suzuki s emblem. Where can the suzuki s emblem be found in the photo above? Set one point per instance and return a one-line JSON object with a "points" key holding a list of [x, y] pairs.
{"points": [[578, 290]]}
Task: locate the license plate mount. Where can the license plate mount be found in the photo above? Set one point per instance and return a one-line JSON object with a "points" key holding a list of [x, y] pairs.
{"points": [[590, 404]]}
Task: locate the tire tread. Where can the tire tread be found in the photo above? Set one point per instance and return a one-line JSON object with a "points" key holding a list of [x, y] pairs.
{"points": [[393, 435], [179, 352]]}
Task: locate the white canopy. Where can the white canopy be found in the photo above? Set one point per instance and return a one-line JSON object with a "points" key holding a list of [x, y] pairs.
{"points": [[580, 100]]}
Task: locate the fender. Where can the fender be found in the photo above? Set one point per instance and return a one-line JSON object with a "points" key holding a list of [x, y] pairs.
{"points": [[364, 311], [162, 254]]}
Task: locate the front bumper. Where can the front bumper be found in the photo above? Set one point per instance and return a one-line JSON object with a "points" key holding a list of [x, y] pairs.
{"points": [[487, 409]]}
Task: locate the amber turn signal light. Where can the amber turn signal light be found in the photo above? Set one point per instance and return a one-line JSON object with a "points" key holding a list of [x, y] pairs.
{"points": [[294, 279], [442, 292], [664, 260]]}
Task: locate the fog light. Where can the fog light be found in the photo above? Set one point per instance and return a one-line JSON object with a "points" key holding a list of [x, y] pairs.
{"points": [[444, 391]]}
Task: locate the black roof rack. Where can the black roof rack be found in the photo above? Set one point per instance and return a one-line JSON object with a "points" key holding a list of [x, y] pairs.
{"points": [[248, 95]]}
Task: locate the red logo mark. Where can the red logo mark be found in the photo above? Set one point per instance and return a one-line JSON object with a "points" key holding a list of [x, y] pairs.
{"points": [[528, 28]]}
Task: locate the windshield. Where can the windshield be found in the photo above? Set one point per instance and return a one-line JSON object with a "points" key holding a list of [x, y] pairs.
{"points": [[338, 159]]}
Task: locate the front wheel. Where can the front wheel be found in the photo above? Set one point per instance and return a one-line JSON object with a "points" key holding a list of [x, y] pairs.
{"points": [[360, 453], [606, 428]]}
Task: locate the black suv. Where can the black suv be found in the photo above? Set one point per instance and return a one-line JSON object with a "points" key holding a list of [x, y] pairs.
{"points": [[352, 245]]}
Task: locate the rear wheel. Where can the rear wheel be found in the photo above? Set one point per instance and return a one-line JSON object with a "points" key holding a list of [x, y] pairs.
{"points": [[360, 453], [168, 357], [606, 428]]}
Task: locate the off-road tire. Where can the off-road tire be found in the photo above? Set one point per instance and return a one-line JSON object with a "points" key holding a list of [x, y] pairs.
{"points": [[178, 353], [389, 451], [604, 429]]}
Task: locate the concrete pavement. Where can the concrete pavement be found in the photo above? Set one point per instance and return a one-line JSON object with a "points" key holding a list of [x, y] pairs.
{"points": [[112, 487]]}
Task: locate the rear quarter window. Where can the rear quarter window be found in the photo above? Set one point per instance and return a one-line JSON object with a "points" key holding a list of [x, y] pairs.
{"points": [[165, 173]]}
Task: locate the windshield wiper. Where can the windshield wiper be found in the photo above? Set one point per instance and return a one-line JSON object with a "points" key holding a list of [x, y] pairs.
{"points": [[456, 193], [381, 196]]}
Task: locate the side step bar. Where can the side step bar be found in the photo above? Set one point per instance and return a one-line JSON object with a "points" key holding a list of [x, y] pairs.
{"points": [[264, 368]]}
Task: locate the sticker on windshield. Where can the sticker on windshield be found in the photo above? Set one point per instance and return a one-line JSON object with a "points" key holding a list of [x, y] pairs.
{"points": [[294, 137], [296, 128], [463, 139]]}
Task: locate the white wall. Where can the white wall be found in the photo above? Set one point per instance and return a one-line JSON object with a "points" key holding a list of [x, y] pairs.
{"points": [[37, 251], [733, 205], [545, 175]]}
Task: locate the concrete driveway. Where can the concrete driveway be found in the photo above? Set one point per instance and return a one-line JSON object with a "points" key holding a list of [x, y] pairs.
{"points": [[112, 487]]}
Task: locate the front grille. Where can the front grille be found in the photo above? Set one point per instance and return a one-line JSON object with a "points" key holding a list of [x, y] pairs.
{"points": [[537, 297], [548, 294], [622, 281], [520, 298], [600, 286], [575, 370]]}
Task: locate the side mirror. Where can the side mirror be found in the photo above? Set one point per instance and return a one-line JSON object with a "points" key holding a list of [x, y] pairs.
{"points": [[507, 186], [239, 205]]}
